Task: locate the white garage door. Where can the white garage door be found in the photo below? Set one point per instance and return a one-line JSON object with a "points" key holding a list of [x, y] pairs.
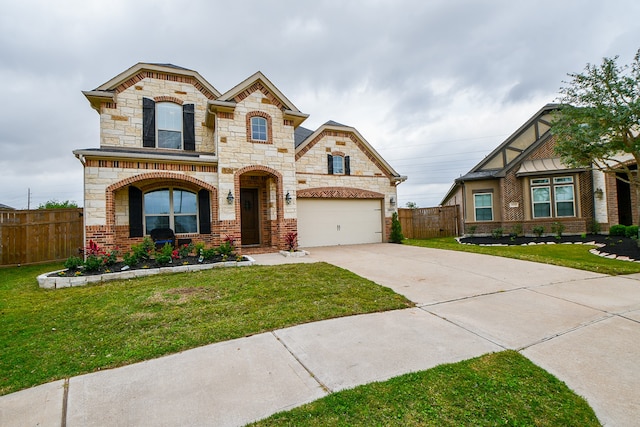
{"points": [[328, 222]]}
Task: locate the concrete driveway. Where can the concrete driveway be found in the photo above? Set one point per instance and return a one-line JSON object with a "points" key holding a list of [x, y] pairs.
{"points": [[582, 327]]}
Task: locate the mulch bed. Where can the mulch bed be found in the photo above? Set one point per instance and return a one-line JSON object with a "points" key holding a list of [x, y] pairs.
{"points": [[614, 245], [114, 268]]}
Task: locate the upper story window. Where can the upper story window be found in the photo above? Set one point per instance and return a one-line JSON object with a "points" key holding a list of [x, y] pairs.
{"points": [[557, 200], [338, 164], [168, 125], [259, 127], [483, 206]]}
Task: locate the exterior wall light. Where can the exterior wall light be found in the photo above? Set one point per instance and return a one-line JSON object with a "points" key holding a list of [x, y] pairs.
{"points": [[287, 198], [230, 198], [392, 201]]}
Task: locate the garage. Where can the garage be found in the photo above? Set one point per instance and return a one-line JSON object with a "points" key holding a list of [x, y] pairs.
{"points": [[329, 222]]}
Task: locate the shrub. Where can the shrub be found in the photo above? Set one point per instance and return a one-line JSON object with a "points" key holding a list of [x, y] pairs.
{"points": [[209, 253], [496, 233], [93, 263], [144, 250], [199, 247], [617, 230], [631, 231], [225, 248], [186, 250], [291, 240], [130, 259], [557, 228], [396, 229], [471, 230], [163, 257], [538, 230], [73, 262], [595, 227], [517, 229]]}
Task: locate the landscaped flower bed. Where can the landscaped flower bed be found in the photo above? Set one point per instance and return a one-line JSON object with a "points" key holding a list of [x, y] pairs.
{"points": [[143, 260]]}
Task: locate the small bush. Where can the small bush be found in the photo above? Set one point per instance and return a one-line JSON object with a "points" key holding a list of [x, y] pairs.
{"points": [[471, 230], [631, 231], [209, 253], [557, 228], [617, 230], [595, 227], [497, 232], [517, 229], [163, 257], [225, 249], [186, 250], [130, 259], [73, 263], [538, 230], [93, 263], [291, 240]]}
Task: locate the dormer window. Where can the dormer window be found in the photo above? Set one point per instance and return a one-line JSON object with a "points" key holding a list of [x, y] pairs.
{"points": [[169, 125], [258, 128]]}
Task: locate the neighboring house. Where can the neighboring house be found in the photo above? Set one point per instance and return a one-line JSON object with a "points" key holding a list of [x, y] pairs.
{"points": [[6, 207], [176, 153], [522, 183]]}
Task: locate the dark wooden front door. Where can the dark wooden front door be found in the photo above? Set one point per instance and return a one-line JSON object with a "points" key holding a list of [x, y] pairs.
{"points": [[625, 217], [249, 216]]}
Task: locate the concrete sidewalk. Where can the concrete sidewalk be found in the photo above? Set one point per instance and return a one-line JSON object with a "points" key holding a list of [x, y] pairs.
{"points": [[582, 327]]}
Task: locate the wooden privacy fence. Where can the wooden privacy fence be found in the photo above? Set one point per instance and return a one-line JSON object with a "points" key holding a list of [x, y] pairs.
{"points": [[423, 223], [33, 236]]}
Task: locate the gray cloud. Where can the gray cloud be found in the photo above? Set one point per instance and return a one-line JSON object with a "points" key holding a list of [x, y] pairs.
{"points": [[422, 81]]}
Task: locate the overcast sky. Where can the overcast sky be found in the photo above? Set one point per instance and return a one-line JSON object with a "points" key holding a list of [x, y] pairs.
{"points": [[432, 85]]}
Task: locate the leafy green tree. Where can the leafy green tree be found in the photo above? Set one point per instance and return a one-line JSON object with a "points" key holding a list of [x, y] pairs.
{"points": [[412, 205], [55, 204], [598, 121]]}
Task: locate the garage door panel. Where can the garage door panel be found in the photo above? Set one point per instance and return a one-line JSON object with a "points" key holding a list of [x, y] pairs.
{"points": [[327, 222]]}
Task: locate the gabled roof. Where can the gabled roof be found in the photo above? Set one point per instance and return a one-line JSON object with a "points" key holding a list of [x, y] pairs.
{"points": [[513, 151], [312, 138], [106, 92], [516, 147], [4, 207]]}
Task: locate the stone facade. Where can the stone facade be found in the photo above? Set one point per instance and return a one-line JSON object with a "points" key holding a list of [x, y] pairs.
{"points": [[221, 163]]}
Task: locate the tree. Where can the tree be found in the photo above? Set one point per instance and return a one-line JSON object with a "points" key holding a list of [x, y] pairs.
{"points": [[598, 121], [412, 205], [396, 229], [55, 204]]}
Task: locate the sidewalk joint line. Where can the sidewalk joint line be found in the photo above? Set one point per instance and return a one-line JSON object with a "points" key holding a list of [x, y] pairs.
{"points": [[322, 385], [65, 400]]}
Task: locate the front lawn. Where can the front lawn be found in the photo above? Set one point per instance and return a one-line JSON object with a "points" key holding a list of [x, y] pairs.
{"points": [[573, 256], [496, 389], [52, 334]]}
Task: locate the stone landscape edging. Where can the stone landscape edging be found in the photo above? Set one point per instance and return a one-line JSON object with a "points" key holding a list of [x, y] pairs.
{"points": [[593, 251], [57, 282]]}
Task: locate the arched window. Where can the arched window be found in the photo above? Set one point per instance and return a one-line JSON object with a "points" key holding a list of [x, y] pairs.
{"points": [[259, 129], [171, 208]]}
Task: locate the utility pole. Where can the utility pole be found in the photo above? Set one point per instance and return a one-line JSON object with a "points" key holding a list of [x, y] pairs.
{"points": [[28, 198]]}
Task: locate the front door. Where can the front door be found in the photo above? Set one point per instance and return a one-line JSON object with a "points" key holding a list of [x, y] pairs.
{"points": [[249, 217]]}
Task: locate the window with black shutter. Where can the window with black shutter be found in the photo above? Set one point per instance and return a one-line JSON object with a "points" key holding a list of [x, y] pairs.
{"points": [[135, 212]]}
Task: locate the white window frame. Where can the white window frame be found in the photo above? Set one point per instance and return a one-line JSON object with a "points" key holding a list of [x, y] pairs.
{"points": [[338, 165], [558, 182], [171, 214], [160, 106], [475, 207], [257, 123]]}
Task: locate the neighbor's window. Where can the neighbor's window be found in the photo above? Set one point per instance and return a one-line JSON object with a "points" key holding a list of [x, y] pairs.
{"points": [[169, 117], [483, 206], [562, 194], [171, 208], [258, 128]]}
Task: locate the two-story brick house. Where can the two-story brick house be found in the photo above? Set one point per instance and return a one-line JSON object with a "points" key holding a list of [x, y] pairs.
{"points": [[176, 153]]}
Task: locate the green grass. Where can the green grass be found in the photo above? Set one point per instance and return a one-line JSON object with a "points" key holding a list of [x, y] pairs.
{"points": [[53, 334], [573, 256], [496, 389]]}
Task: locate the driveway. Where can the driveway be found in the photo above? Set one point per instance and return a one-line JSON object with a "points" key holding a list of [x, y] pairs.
{"points": [[582, 327]]}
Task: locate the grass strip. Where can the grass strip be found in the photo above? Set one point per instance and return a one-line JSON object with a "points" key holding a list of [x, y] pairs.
{"points": [[573, 256], [496, 389], [52, 334]]}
